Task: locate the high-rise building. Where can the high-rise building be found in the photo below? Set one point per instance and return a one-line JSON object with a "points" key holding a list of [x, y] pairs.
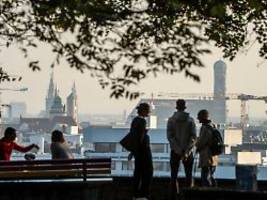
{"points": [[219, 79], [50, 95], [72, 107], [220, 89]]}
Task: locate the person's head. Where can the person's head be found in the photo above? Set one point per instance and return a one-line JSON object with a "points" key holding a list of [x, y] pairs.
{"points": [[203, 116], [143, 109], [57, 136], [180, 105], [10, 134]]}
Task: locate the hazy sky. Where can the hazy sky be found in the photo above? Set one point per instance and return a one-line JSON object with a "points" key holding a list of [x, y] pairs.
{"points": [[243, 76]]}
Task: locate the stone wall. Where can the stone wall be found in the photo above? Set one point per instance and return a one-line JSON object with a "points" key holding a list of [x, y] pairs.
{"points": [[118, 189]]}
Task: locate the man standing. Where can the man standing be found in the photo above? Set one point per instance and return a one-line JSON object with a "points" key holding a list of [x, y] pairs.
{"points": [[181, 133], [207, 161]]}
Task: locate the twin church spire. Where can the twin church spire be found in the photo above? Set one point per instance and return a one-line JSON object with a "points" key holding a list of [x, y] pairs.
{"points": [[54, 105]]}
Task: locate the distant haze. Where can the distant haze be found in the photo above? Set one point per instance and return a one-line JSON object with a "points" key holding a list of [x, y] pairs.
{"points": [[243, 76]]}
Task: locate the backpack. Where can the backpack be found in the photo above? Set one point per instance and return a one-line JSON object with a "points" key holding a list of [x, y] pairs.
{"points": [[217, 145]]}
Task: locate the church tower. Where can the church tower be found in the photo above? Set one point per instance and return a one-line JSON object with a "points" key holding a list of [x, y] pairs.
{"points": [[72, 107], [50, 95], [57, 108]]}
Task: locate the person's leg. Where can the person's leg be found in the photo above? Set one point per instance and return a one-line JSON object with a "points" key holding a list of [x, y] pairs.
{"points": [[188, 168], [147, 173], [174, 163], [137, 174], [213, 180], [205, 173]]}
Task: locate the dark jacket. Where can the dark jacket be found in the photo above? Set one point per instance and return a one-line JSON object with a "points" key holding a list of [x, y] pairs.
{"points": [[138, 128], [181, 132]]}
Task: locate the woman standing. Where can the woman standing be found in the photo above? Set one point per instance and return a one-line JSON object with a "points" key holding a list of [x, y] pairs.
{"points": [[207, 161], [143, 170]]}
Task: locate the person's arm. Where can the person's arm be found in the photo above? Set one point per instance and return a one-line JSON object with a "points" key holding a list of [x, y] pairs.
{"points": [[193, 131], [24, 149], [192, 139], [171, 138]]}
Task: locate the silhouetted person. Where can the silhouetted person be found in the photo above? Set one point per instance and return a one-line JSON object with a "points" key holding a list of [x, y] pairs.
{"points": [[181, 133], [207, 162], [7, 144], [143, 170], [59, 148]]}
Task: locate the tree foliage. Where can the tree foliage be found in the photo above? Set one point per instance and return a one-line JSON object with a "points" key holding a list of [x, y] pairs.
{"points": [[122, 42]]}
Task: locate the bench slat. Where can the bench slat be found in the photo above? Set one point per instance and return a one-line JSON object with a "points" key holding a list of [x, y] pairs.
{"points": [[54, 167], [56, 161], [52, 174]]}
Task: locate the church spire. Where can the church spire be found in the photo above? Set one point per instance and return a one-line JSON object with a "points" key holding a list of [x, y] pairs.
{"points": [[72, 107], [51, 86], [56, 91], [74, 89]]}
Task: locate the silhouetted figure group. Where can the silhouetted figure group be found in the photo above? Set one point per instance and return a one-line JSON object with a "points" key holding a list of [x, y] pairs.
{"points": [[182, 137], [59, 148]]}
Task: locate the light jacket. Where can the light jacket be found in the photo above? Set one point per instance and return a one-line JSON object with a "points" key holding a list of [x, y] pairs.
{"points": [[181, 132], [60, 151], [203, 147]]}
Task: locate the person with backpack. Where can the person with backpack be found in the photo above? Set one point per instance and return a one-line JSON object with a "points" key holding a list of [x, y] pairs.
{"points": [[209, 147], [181, 134]]}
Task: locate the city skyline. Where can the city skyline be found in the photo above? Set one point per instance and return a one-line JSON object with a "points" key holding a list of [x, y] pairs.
{"points": [[243, 76]]}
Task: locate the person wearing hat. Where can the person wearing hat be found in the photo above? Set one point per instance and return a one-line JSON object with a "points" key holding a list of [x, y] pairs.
{"points": [[143, 170], [181, 134]]}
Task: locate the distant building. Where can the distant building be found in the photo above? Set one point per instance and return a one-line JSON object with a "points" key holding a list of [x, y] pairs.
{"points": [[50, 95], [17, 109], [46, 125], [164, 106], [57, 108], [72, 105], [104, 141]]}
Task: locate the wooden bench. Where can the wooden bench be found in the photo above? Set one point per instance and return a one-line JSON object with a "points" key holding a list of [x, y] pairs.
{"points": [[81, 169]]}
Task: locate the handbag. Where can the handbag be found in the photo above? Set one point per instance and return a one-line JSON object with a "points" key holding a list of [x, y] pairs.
{"points": [[129, 142]]}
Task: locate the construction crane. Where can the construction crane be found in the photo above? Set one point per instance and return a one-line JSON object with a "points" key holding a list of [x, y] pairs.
{"points": [[244, 98]]}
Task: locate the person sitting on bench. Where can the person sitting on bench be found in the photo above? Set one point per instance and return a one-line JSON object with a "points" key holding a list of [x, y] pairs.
{"points": [[59, 148], [7, 144]]}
